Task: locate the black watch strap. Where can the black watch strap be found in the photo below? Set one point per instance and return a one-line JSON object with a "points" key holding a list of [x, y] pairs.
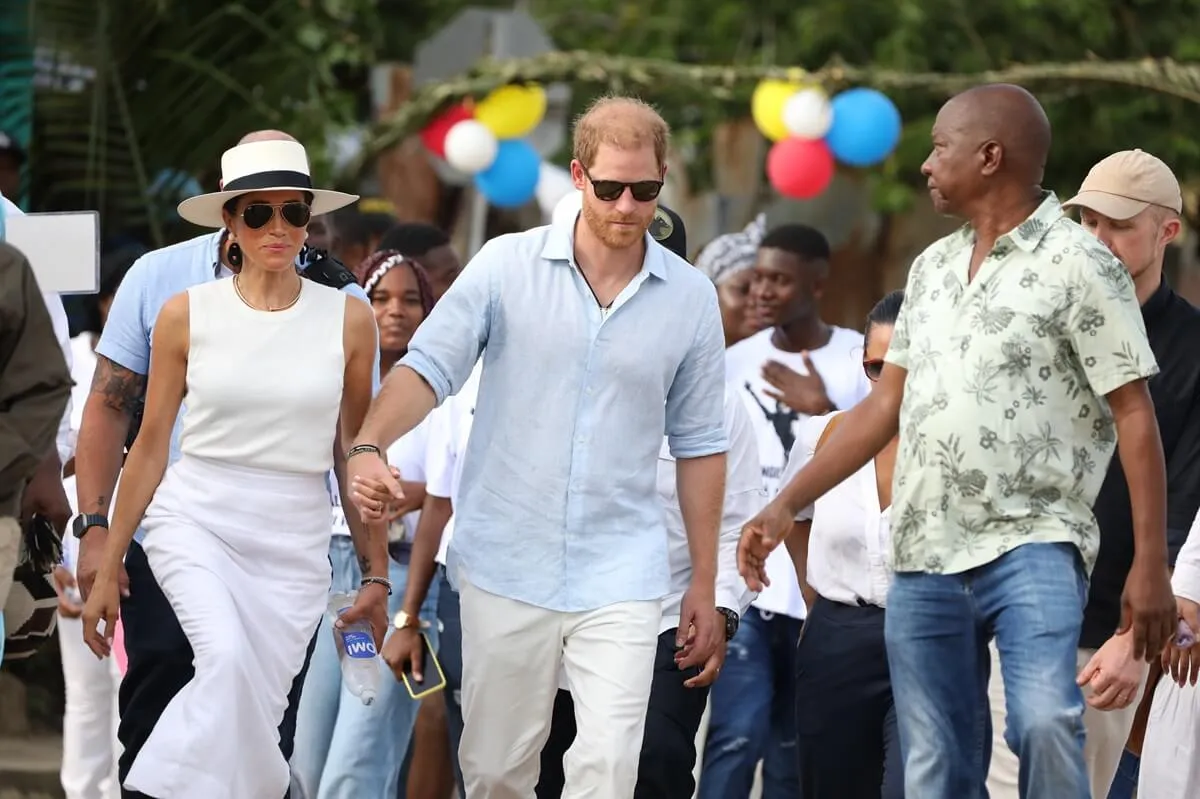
{"points": [[85, 521], [732, 620]]}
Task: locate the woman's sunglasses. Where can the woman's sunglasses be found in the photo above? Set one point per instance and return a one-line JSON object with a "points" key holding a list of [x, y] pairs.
{"points": [[295, 213], [611, 190], [873, 368]]}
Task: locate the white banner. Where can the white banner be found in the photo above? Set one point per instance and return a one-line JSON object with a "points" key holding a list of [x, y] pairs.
{"points": [[62, 248]]}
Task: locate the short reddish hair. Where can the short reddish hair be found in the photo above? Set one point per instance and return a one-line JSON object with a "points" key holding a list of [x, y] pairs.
{"points": [[624, 122]]}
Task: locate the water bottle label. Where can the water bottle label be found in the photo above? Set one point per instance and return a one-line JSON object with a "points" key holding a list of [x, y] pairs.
{"points": [[359, 644]]}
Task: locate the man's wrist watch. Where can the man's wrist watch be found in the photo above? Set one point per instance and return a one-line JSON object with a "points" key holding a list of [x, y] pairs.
{"points": [[86, 521], [404, 621], [732, 620]]}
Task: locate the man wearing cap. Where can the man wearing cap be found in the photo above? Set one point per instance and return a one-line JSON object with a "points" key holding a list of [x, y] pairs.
{"points": [[1131, 202]]}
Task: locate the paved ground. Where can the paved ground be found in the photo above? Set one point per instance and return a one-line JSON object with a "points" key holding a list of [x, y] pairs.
{"points": [[29, 768]]}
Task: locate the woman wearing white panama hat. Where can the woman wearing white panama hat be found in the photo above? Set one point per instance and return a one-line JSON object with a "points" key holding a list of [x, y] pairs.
{"points": [[237, 529]]}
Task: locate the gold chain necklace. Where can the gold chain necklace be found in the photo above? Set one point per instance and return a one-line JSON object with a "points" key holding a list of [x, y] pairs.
{"points": [[238, 290]]}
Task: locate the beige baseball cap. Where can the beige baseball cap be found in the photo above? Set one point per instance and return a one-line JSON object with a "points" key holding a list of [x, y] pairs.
{"points": [[1127, 183]]}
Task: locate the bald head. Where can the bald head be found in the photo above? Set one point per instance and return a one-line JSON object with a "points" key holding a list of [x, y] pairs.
{"points": [[266, 135], [1009, 116]]}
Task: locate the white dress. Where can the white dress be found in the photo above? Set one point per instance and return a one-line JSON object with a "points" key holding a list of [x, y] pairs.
{"points": [[237, 536]]}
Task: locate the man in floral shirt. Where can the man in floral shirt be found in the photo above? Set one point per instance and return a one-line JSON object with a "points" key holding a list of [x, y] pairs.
{"points": [[1019, 358]]}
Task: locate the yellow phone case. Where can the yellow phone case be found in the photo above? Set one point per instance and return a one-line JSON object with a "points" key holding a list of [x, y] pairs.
{"points": [[426, 688]]}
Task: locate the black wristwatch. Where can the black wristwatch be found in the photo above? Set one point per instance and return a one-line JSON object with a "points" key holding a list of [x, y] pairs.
{"points": [[732, 619], [85, 521]]}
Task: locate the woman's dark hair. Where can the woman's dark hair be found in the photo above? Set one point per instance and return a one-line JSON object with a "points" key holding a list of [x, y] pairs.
{"points": [[885, 312], [375, 260]]}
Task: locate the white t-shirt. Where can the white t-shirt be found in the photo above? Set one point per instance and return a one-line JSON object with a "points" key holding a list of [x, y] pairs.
{"points": [[83, 366], [449, 429], [407, 455], [840, 365]]}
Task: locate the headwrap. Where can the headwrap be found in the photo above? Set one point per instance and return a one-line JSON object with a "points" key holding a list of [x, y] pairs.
{"points": [[726, 256]]}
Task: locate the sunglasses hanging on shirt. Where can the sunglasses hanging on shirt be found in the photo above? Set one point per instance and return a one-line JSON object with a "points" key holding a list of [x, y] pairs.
{"points": [[258, 215]]}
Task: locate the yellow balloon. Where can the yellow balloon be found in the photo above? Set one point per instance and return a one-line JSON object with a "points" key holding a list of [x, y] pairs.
{"points": [[766, 106], [511, 112]]}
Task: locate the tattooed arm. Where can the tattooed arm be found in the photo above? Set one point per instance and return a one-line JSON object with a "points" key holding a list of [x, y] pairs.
{"points": [[115, 397]]}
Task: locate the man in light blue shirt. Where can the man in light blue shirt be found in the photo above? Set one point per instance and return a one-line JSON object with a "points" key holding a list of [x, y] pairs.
{"points": [[158, 652], [596, 341]]}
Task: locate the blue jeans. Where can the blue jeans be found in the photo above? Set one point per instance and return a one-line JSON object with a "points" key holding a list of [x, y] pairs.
{"points": [[938, 627], [752, 712], [450, 656], [344, 749], [1124, 785]]}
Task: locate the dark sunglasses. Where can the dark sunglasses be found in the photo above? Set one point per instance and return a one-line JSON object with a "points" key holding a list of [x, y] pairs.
{"points": [[295, 213], [873, 369], [611, 190]]}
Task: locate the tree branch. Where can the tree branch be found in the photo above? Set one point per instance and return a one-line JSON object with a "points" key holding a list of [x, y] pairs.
{"points": [[724, 83]]}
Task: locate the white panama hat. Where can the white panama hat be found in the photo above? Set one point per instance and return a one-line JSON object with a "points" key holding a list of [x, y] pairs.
{"points": [[261, 166]]}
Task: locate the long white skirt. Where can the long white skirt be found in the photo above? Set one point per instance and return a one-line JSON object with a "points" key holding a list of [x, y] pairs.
{"points": [[1170, 765], [242, 556]]}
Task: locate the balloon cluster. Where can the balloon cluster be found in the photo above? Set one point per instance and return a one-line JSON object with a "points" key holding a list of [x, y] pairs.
{"points": [[859, 127], [483, 140]]}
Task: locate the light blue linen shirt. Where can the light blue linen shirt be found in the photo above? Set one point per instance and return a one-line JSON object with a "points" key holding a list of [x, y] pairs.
{"points": [[558, 506], [150, 282]]}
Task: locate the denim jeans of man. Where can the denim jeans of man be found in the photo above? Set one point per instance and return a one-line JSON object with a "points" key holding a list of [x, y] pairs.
{"points": [[938, 627], [752, 712], [159, 664], [345, 749], [450, 656]]}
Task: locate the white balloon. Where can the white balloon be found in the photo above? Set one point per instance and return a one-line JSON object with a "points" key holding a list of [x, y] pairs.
{"points": [[808, 114], [568, 208], [470, 146]]}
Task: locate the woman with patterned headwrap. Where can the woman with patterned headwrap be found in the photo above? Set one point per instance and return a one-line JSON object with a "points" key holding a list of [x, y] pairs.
{"points": [[729, 262]]}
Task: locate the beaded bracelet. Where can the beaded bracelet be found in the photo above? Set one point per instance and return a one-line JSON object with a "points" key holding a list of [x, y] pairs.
{"points": [[385, 582], [359, 449]]}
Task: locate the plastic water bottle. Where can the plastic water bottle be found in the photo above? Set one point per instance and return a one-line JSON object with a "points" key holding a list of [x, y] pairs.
{"points": [[356, 652]]}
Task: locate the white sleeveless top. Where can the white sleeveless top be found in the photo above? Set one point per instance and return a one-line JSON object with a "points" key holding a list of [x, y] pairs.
{"points": [[264, 389]]}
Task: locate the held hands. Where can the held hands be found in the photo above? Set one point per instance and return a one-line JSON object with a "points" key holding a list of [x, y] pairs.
{"points": [[1114, 674], [91, 556], [1183, 663], [1148, 607], [760, 536], [374, 486], [803, 393]]}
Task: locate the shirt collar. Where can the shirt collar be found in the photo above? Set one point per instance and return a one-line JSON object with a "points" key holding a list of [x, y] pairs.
{"points": [[560, 246], [1158, 301], [1029, 234]]}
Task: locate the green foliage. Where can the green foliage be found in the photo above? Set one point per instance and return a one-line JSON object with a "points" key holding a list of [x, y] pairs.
{"points": [[920, 35], [169, 84]]}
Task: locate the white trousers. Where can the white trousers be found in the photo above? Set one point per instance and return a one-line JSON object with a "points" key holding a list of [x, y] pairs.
{"points": [[1170, 765], [512, 653], [1107, 731], [90, 747]]}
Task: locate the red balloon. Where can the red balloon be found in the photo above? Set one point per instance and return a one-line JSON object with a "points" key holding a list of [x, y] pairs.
{"points": [[800, 168], [434, 134]]}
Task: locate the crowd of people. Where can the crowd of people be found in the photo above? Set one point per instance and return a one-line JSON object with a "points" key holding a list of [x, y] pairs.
{"points": [[567, 468]]}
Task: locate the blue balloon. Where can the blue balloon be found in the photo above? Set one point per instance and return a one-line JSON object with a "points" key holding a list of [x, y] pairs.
{"points": [[866, 127], [512, 179]]}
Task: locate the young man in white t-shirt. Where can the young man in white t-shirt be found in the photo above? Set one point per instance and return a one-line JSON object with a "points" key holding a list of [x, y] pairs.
{"points": [[797, 366]]}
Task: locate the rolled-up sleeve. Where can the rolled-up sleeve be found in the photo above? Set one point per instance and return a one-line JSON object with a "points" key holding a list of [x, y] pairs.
{"points": [[695, 401], [446, 346]]}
